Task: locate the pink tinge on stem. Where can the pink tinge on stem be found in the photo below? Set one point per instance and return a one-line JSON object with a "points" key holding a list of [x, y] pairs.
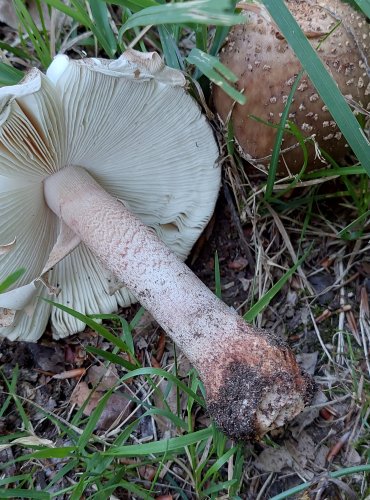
{"points": [[252, 379]]}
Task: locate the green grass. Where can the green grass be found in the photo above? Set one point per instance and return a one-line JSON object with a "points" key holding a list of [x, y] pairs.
{"points": [[11, 279], [96, 465], [332, 475], [96, 459]]}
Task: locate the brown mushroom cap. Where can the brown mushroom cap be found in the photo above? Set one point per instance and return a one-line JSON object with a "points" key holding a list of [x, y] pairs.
{"points": [[267, 67]]}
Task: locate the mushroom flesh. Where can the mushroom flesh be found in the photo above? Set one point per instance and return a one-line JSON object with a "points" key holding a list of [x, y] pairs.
{"points": [[71, 145]]}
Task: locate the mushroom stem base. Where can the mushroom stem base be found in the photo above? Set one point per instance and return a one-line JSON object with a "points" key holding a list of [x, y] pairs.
{"points": [[252, 380]]}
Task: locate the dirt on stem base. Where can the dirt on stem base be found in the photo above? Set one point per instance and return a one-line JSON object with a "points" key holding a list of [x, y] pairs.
{"points": [[255, 385]]}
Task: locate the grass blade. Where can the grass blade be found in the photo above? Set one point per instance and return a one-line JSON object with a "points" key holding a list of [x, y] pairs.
{"points": [[216, 72], [76, 15], [39, 42], [218, 291], [218, 464], [166, 375], [364, 5], [112, 358], [266, 299], [216, 488], [12, 390], [11, 279], [103, 29], [338, 473], [135, 5], [20, 493], [278, 141], [172, 55], [22, 54], [220, 35], [175, 444], [92, 324], [62, 452], [93, 420], [194, 12], [351, 232], [9, 75]]}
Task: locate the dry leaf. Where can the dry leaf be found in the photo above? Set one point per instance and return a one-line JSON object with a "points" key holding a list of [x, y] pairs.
{"points": [[81, 394], [101, 377], [166, 427], [48, 359], [161, 346], [6, 317], [74, 354], [303, 450], [28, 441], [322, 283], [117, 406], [308, 415], [147, 472], [308, 361], [352, 458], [274, 460], [238, 264]]}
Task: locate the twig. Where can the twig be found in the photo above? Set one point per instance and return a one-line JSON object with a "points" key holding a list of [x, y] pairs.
{"points": [[137, 39], [340, 358]]}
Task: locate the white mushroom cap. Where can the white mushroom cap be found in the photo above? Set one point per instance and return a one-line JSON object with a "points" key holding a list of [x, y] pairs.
{"points": [[133, 127]]}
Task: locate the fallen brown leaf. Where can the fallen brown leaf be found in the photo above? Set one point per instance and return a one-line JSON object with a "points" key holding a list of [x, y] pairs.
{"points": [[47, 358], [147, 472], [118, 407], [101, 377], [326, 414], [74, 354]]}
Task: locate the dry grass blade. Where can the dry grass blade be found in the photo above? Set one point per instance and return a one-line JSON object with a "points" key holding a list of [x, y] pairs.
{"points": [[290, 248], [167, 446], [364, 321]]}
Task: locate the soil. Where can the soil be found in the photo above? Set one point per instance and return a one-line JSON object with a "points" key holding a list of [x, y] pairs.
{"points": [[307, 449], [322, 312]]}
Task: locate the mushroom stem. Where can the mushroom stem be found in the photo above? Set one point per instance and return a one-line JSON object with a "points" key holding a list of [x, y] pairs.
{"points": [[252, 380]]}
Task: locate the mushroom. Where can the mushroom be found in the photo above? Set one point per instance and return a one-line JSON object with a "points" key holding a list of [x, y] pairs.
{"points": [[267, 68], [108, 168]]}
